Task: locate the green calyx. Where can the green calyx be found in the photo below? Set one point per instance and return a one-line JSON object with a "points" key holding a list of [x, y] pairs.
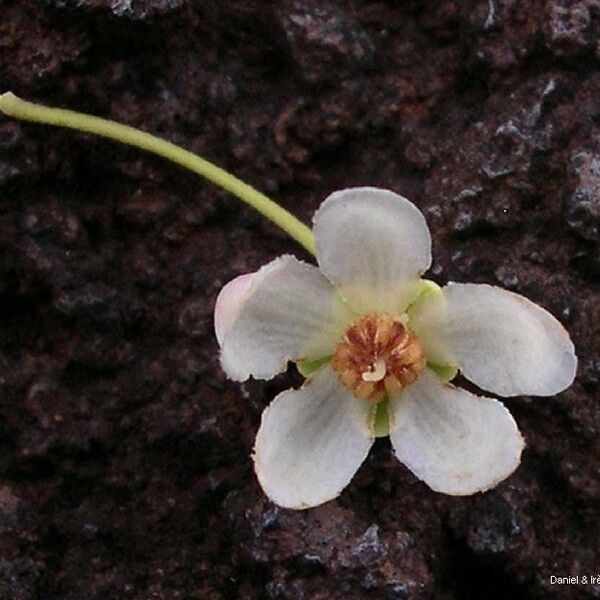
{"points": [[444, 372], [308, 367], [422, 288]]}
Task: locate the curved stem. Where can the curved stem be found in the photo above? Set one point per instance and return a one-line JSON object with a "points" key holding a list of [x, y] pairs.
{"points": [[15, 107]]}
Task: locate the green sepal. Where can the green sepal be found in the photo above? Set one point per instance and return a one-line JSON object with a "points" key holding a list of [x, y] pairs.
{"points": [[424, 287], [308, 367], [444, 372], [381, 420]]}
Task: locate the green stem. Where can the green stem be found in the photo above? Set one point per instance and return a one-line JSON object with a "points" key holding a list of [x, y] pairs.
{"points": [[15, 107]]}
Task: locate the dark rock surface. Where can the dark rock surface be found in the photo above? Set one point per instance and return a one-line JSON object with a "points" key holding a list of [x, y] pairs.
{"points": [[124, 463]]}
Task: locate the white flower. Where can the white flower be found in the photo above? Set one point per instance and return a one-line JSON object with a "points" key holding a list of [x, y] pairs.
{"points": [[373, 331]]}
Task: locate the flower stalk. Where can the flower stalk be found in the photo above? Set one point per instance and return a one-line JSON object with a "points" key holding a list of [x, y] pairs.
{"points": [[15, 107]]}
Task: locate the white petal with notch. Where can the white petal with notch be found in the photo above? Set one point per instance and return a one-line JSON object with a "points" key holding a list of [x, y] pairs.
{"points": [[371, 241], [500, 340], [311, 441], [289, 312], [454, 441]]}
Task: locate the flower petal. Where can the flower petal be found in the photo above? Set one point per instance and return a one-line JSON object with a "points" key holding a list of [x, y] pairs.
{"points": [[370, 241], [311, 441], [456, 442], [500, 340], [229, 302], [290, 312]]}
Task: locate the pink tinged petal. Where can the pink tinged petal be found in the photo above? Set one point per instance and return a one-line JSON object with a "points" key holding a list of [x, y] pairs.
{"points": [[289, 312], [371, 242], [454, 441], [500, 340], [229, 302], [311, 441]]}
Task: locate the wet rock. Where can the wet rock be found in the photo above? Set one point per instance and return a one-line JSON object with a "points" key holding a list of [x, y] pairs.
{"points": [[496, 168], [582, 208], [11, 133], [56, 218], [33, 51], [591, 372], [503, 34], [325, 43], [18, 577], [369, 548], [188, 366], [92, 300], [10, 506], [398, 590], [467, 193], [126, 452], [144, 267], [419, 153], [44, 261], [507, 277], [11, 165], [99, 353], [8, 173], [195, 318], [491, 526], [140, 9], [146, 207], [132, 9], [464, 222], [263, 517], [222, 93], [582, 211], [567, 27]]}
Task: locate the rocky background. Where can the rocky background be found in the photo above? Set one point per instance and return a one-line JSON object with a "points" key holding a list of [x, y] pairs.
{"points": [[124, 452]]}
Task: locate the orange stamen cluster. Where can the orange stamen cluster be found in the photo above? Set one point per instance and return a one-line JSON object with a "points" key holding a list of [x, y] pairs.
{"points": [[377, 355]]}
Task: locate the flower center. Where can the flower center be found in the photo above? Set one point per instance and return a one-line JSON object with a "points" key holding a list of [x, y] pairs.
{"points": [[377, 355]]}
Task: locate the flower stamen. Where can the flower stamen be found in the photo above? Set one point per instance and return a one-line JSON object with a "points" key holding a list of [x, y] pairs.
{"points": [[378, 355]]}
